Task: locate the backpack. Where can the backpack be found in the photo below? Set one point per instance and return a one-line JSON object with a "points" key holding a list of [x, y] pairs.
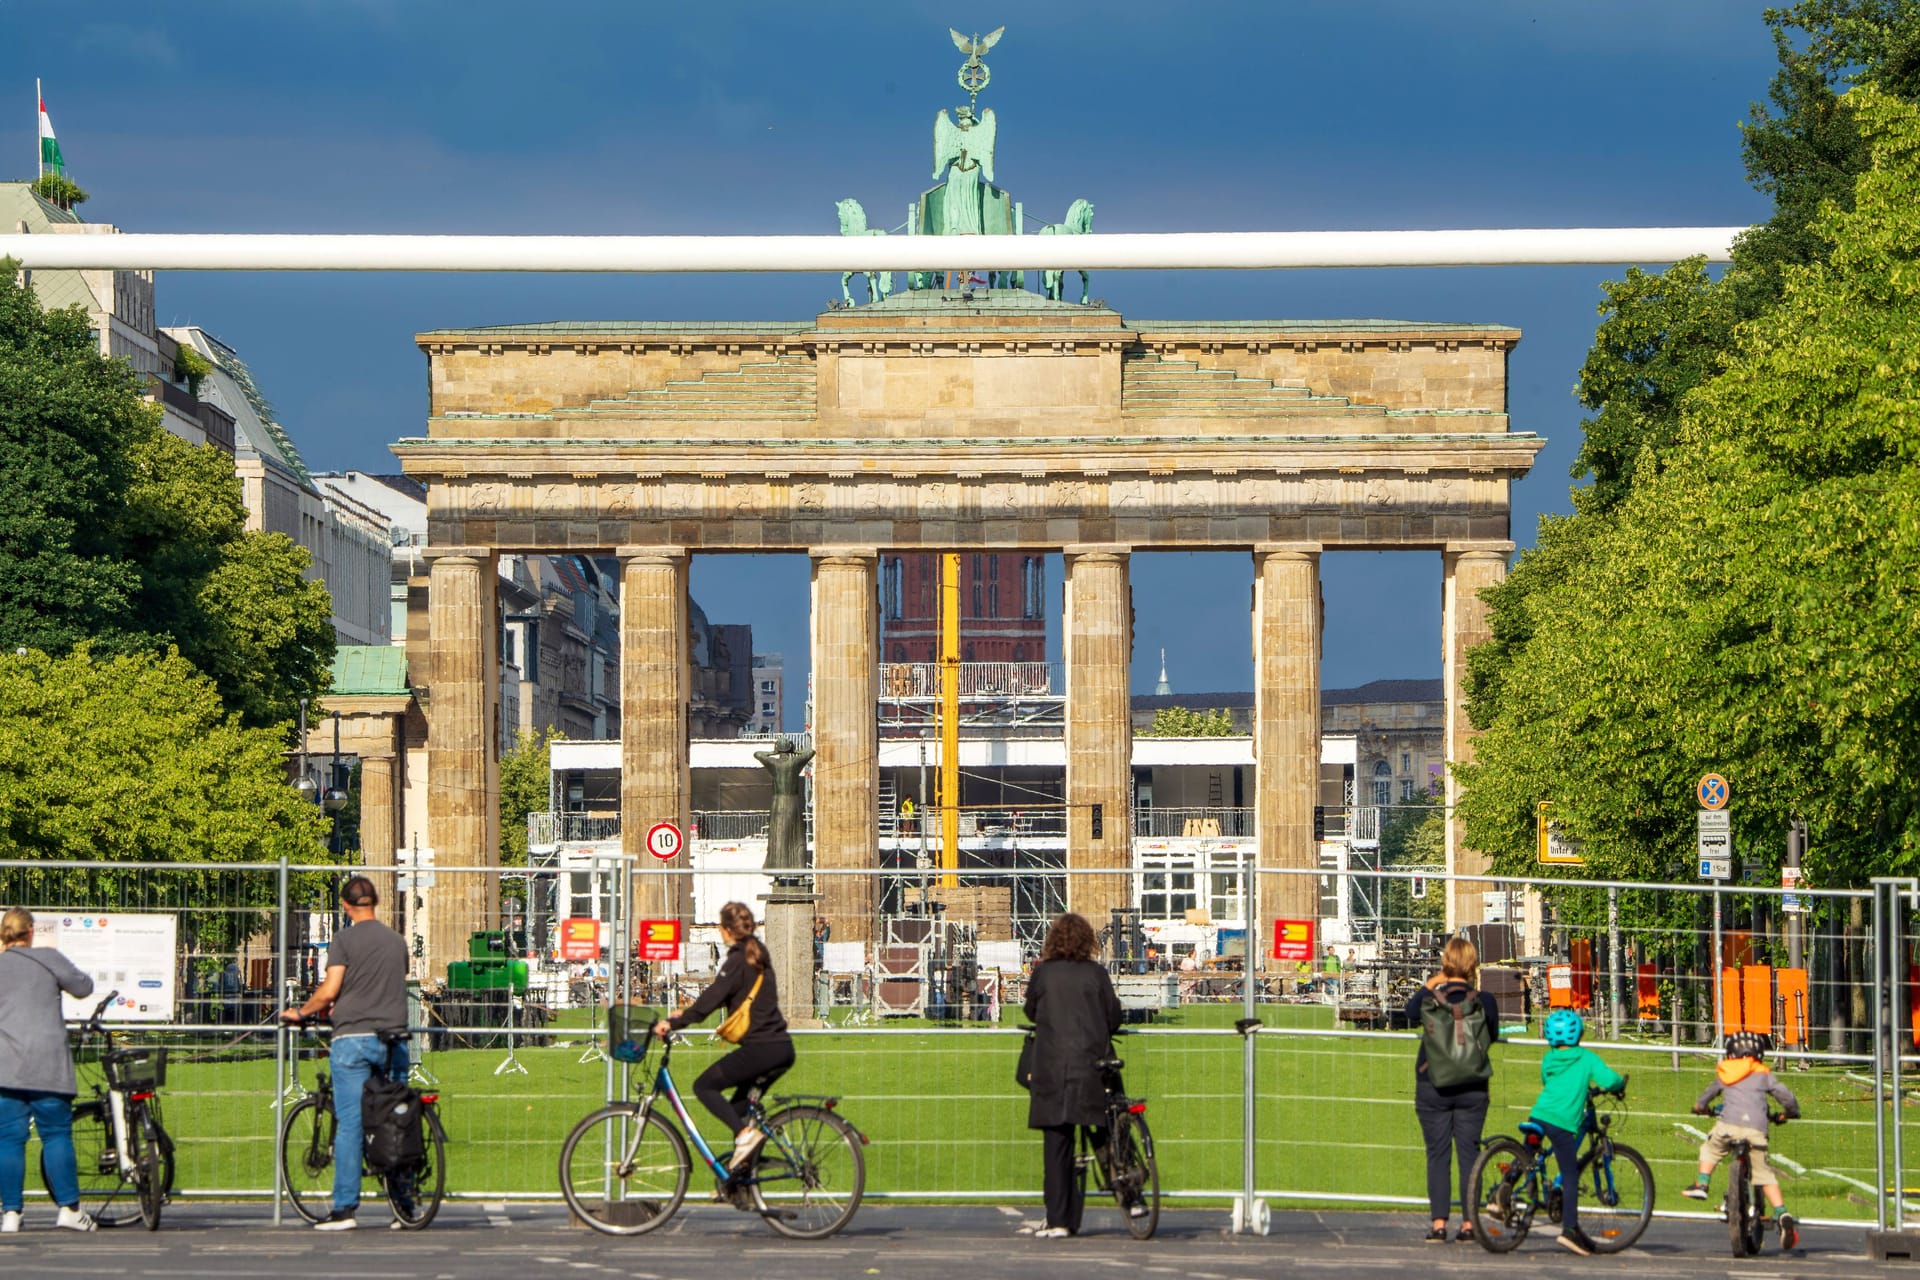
{"points": [[1455, 1037], [394, 1124]]}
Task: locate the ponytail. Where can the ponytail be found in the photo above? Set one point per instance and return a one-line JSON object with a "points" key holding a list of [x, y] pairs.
{"points": [[756, 954]]}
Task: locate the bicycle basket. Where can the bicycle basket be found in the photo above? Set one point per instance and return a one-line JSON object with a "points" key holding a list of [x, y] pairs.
{"points": [[630, 1032], [137, 1070]]}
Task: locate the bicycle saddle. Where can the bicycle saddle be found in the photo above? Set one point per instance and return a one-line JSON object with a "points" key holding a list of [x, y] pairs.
{"points": [[393, 1035], [1109, 1064], [1528, 1126]]}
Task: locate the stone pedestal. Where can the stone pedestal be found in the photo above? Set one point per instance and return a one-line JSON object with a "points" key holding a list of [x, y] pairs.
{"points": [[846, 737], [654, 783], [1286, 732], [1470, 568], [1097, 643], [463, 788], [788, 935]]}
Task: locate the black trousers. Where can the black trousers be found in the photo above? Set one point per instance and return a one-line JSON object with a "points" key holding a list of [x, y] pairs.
{"points": [[1061, 1185], [738, 1071], [1566, 1154], [1451, 1123]]}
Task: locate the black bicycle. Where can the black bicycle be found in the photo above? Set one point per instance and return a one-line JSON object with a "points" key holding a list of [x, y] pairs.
{"points": [[1746, 1224], [124, 1154], [1124, 1164], [1509, 1184], [413, 1191]]}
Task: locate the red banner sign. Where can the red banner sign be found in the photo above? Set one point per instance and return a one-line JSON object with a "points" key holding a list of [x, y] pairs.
{"points": [[579, 938], [658, 940], [1293, 940]]}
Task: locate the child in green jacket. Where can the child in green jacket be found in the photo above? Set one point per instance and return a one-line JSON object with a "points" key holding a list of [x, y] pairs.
{"points": [[1567, 1072]]}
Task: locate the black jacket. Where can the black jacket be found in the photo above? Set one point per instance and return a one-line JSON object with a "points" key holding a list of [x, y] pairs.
{"points": [[1075, 1014], [730, 986]]}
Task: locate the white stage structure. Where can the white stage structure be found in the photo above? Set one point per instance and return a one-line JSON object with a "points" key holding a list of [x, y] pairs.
{"points": [[1185, 251]]}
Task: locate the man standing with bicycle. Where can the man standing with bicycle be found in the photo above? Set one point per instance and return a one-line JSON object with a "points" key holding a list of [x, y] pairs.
{"points": [[365, 988]]}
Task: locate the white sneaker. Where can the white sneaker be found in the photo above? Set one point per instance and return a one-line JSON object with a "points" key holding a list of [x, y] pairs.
{"points": [[73, 1220], [9, 1222], [1052, 1233], [745, 1143]]}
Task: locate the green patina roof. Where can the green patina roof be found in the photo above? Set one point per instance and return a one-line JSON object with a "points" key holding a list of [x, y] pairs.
{"points": [[1027, 304], [633, 326], [369, 669]]}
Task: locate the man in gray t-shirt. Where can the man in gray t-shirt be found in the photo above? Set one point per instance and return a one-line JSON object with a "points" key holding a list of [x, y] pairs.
{"points": [[365, 988]]}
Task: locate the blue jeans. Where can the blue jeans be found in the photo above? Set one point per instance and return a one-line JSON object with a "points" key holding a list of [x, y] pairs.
{"points": [[1566, 1154], [52, 1114], [353, 1059]]}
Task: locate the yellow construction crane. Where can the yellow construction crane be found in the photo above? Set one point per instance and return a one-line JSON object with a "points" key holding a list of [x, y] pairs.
{"points": [[949, 718]]}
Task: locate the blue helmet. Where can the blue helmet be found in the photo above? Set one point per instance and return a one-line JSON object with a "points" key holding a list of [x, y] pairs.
{"points": [[1564, 1029]]}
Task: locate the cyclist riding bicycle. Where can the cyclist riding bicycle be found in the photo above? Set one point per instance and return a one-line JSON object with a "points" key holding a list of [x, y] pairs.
{"points": [[366, 989], [1567, 1075], [766, 1050], [1743, 1084]]}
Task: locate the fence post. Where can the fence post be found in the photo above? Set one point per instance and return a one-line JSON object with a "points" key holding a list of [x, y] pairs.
{"points": [[279, 1037], [1251, 1215], [1879, 988], [1613, 959], [1719, 996], [1895, 988]]}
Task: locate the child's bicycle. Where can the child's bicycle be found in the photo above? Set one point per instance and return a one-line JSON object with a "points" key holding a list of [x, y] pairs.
{"points": [[624, 1169], [1509, 1184], [1747, 1219], [119, 1144]]}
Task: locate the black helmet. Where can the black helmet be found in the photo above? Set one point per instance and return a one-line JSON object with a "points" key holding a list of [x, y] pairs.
{"points": [[1748, 1044]]}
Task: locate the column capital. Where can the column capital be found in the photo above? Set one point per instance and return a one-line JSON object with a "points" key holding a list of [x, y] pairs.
{"points": [[1286, 550], [1482, 549], [659, 554], [476, 554], [844, 554], [1095, 550]]}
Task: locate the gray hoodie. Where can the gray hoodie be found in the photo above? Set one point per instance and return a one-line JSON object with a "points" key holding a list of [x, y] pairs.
{"points": [[1745, 1083], [33, 1036]]}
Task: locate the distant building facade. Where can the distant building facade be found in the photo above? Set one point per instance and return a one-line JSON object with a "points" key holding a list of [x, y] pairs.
{"points": [[1003, 614], [769, 688]]}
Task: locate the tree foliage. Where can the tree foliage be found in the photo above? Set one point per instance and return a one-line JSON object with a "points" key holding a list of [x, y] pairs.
{"points": [[1186, 722], [117, 534], [1752, 602], [525, 779]]}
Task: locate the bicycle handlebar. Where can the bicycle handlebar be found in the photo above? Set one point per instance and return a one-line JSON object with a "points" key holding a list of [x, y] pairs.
{"points": [[99, 1010]]}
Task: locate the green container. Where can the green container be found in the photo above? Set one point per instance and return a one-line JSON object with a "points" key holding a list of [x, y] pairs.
{"points": [[487, 975]]}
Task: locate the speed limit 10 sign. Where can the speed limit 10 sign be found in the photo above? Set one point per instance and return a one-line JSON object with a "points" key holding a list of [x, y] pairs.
{"points": [[664, 841]]}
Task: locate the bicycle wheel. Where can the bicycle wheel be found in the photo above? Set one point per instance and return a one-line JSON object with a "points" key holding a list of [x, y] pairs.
{"points": [[1741, 1230], [1617, 1200], [1496, 1192], [622, 1174], [1135, 1175], [809, 1175], [149, 1177], [414, 1194], [104, 1194], [306, 1158]]}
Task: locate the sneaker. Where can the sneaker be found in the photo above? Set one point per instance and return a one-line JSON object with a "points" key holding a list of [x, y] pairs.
{"points": [[1695, 1191], [1789, 1232], [1052, 1233], [745, 1143], [1575, 1240], [338, 1220], [73, 1219], [9, 1222], [1436, 1236], [1138, 1209]]}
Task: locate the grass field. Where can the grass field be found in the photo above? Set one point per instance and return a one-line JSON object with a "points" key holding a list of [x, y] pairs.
{"points": [[1334, 1115]]}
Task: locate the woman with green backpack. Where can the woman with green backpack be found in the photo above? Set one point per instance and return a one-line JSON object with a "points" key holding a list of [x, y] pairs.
{"points": [[1457, 1023]]}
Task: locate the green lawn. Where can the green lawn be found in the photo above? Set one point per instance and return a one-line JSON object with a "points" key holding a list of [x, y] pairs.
{"points": [[1334, 1115]]}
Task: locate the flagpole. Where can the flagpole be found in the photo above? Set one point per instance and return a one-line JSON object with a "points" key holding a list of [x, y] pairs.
{"points": [[39, 147]]}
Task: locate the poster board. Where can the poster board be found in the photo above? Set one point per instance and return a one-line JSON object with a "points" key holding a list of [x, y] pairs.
{"points": [[132, 953], [843, 957]]}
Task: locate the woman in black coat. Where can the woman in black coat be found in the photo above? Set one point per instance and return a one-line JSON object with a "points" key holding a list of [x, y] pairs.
{"points": [[1075, 1014]]}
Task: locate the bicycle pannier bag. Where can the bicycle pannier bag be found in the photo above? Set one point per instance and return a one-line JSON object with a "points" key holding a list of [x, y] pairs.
{"points": [[734, 1029], [1023, 1069], [1456, 1039], [394, 1123]]}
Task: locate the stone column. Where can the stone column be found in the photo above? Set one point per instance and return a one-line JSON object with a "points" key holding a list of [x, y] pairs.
{"points": [[654, 782], [846, 739], [378, 829], [1286, 734], [1470, 568], [463, 785], [1097, 643]]}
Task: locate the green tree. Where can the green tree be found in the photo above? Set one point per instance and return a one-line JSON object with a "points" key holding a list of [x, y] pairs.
{"points": [[525, 781], [1185, 722], [1414, 835], [1749, 607]]}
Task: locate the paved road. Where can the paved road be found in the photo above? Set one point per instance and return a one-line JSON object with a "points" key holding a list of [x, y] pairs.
{"points": [[920, 1243]]}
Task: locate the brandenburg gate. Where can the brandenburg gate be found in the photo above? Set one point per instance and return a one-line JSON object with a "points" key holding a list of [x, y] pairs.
{"points": [[953, 420]]}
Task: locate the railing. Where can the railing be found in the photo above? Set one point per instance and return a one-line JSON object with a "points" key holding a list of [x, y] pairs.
{"points": [[729, 824], [977, 680], [1163, 823], [547, 829], [978, 823]]}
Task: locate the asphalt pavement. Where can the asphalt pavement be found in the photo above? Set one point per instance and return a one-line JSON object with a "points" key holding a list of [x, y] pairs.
{"points": [[535, 1242]]}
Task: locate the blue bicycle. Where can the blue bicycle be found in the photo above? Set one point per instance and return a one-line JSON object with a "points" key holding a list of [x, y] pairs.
{"points": [[1510, 1182], [624, 1169]]}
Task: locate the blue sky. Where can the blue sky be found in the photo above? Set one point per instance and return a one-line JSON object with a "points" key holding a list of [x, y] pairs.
{"points": [[409, 115]]}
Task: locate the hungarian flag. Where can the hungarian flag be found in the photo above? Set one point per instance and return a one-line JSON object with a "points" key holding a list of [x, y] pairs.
{"points": [[49, 145]]}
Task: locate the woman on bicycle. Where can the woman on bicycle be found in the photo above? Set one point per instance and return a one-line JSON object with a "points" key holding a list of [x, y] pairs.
{"points": [[1075, 1015], [1452, 1117], [36, 1072], [766, 1050]]}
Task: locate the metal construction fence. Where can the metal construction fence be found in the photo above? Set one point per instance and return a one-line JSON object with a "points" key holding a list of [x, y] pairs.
{"points": [[1285, 1081]]}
